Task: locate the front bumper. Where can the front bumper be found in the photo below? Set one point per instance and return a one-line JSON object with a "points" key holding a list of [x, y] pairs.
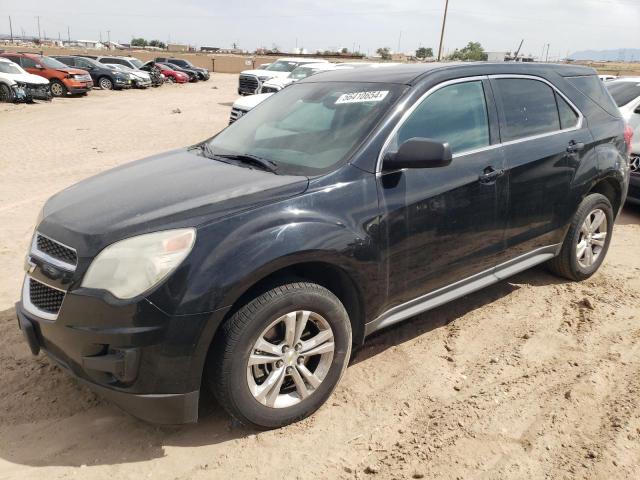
{"points": [[79, 87], [145, 361], [169, 409]]}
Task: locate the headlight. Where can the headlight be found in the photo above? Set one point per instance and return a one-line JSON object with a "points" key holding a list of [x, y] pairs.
{"points": [[132, 266]]}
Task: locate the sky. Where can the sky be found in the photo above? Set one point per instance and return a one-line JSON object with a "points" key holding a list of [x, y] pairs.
{"points": [[402, 25]]}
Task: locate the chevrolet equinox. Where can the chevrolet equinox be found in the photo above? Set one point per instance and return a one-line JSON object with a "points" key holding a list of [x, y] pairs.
{"points": [[251, 263]]}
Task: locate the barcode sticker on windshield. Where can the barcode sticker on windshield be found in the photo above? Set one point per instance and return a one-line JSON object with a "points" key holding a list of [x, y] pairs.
{"points": [[362, 97]]}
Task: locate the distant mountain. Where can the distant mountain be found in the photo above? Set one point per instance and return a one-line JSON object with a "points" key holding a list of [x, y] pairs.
{"points": [[620, 55]]}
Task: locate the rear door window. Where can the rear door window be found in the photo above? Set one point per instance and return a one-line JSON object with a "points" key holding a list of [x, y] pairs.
{"points": [[529, 108], [456, 114], [27, 62]]}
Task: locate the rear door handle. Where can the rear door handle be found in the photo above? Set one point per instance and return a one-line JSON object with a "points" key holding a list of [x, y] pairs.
{"points": [[490, 175], [575, 147]]}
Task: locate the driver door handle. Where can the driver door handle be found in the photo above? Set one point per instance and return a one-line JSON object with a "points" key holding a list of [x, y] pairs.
{"points": [[490, 175], [575, 147]]}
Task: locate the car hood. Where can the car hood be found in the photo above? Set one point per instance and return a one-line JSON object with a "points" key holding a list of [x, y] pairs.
{"points": [[250, 101], [279, 82], [265, 73], [173, 189], [26, 78], [72, 71]]}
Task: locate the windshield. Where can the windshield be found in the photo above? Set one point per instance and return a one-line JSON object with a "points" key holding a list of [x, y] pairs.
{"points": [[52, 63], [136, 62], [309, 128], [624, 92], [282, 66], [6, 67], [302, 72]]}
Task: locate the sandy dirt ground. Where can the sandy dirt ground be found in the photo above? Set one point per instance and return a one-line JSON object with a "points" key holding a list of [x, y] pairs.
{"points": [[531, 378]]}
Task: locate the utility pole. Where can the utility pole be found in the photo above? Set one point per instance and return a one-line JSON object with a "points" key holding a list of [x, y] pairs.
{"points": [[39, 37], [444, 22], [10, 29], [399, 40], [547, 57], [68, 34], [109, 37], [100, 37]]}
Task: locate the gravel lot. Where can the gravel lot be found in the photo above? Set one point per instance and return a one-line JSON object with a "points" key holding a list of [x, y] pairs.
{"points": [[531, 378]]}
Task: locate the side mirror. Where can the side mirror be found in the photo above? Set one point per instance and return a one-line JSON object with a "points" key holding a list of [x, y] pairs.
{"points": [[418, 153]]}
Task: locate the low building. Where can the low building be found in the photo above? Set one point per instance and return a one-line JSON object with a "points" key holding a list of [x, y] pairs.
{"points": [[178, 47]]}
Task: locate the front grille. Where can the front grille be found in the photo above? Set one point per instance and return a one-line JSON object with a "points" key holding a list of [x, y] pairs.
{"points": [[248, 84], [634, 163], [56, 250], [236, 113], [45, 298], [268, 90]]}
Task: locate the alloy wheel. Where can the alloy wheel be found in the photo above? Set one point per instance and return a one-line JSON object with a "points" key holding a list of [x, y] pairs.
{"points": [[56, 89], [106, 84], [290, 359], [592, 238]]}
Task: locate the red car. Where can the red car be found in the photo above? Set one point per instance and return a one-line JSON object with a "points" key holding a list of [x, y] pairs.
{"points": [[171, 75]]}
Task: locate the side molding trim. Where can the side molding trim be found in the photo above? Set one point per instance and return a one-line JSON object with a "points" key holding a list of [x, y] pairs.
{"points": [[461, 288]]}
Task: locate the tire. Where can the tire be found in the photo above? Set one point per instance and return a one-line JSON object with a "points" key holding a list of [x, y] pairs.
{"points": [[170, 79], [6, 95], [244, 391], [57, 88], [574, 261], [105, 83]]}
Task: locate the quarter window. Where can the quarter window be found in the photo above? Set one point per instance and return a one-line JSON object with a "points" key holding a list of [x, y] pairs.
{"points": [[456, 114], [568, 117], [529, 108]]}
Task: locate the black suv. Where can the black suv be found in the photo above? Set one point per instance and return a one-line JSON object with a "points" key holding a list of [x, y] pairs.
{"points": [[344, 204], [103, 76], [203, 73]]}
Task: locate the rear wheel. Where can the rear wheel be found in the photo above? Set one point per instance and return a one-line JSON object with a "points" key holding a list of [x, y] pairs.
{"points": [[281, 355], [57, 88], [105, 83], [587, 240]]}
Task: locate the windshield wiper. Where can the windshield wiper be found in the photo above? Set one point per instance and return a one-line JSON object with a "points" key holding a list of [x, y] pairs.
{"points": [[253, 160]]}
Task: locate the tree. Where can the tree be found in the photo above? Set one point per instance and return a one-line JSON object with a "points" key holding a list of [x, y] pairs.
{"points": [[139, 42], [157, 43], [344, 51], [384, 52], [472, 52], [423, 52]]}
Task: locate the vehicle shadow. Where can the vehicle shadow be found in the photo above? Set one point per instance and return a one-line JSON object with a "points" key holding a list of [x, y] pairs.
{"points": [[59, 432]]}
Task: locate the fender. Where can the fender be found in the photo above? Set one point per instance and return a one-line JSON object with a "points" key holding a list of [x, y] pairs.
{"points": [[249, 246]]}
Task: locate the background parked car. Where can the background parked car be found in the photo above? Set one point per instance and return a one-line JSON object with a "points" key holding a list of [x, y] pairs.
{"points": [[104, 76], [62, 78], [171, 76], [626, 94], [140, 79], [17, 85], [303, 71], [192, 74], [203, 73], [250, 81], [154, 71]]}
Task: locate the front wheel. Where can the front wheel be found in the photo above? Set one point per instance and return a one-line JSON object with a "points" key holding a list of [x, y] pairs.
{"points": [[587, 240], [57, 88], [105, 83], [6, 95], [280, 356]]}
